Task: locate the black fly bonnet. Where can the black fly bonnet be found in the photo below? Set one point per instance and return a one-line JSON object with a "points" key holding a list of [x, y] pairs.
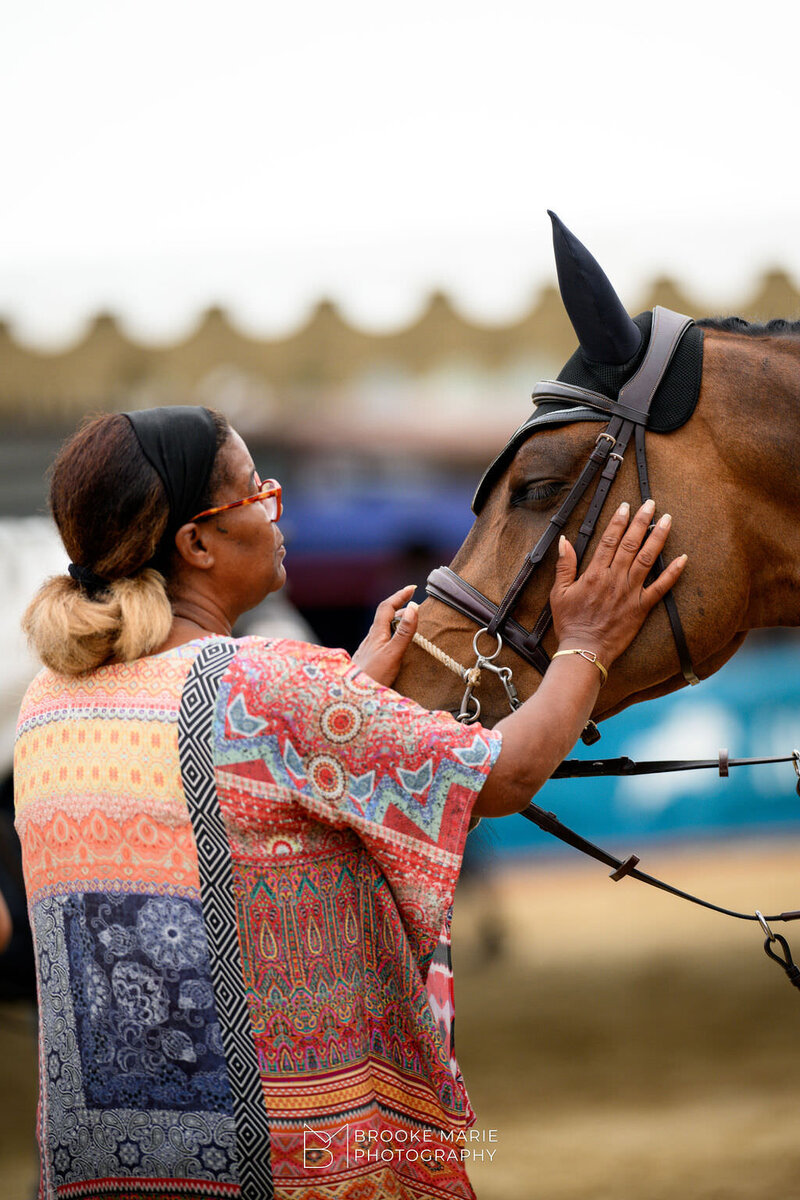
{"points": [[674, 401]]}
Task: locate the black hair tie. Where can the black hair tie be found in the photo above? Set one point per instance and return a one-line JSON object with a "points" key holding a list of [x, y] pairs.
{"points": [[87, 579]]}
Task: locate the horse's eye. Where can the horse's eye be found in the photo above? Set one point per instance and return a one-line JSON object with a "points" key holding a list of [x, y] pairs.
{"points": [[538, 494]]}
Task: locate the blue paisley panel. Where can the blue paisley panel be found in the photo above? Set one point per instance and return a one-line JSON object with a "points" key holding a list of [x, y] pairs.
{"points": [[137, 1082], [144, 1005]]}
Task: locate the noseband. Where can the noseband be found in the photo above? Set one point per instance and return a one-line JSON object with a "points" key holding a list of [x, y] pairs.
{"points": [[627, 417]]}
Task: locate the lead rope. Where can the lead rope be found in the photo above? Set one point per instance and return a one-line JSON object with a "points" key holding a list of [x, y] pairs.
{"points": [[549, 823], [471, 676]]}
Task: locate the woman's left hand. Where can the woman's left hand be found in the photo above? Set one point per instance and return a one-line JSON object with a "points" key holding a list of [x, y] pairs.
{"points": [[381, 652]]}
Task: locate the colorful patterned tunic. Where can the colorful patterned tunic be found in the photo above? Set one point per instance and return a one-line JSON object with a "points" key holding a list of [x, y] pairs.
{"points": [[240, 857]]}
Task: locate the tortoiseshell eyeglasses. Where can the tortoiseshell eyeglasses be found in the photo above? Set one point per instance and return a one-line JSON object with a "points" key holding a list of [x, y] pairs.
{"points": [[269, 494]]}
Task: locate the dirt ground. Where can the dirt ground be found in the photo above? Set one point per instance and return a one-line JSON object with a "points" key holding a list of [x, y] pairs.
{"points": [[623, 1044], [630, 1045]]}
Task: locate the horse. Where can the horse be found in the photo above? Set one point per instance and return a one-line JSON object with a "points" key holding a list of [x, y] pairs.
{"points": [[722, 457], [720, 451]]}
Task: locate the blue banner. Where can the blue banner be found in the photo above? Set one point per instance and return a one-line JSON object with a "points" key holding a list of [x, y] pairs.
{"points": [[751, 707]]}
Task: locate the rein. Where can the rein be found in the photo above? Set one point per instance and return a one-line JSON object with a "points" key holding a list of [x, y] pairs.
{"points": [[628, 418]]}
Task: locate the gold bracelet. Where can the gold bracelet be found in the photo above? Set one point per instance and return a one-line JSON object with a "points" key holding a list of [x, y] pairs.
{"points": [[590, 656]]}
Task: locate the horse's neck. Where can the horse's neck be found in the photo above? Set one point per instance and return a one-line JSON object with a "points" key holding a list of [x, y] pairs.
{"points": [[759, 442]]}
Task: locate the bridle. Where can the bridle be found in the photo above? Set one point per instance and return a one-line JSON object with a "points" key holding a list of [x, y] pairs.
{"points": [[627, 418]]}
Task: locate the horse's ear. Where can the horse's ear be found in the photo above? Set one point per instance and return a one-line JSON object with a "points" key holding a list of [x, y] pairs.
{"points": [[605, 331]]}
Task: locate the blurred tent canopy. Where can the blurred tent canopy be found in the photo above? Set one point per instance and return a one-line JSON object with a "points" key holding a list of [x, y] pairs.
{"points": [[378, 438], [329, 383]]}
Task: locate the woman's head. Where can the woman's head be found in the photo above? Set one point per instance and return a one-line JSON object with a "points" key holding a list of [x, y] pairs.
{"points": [[228, 560], [114, 514]]}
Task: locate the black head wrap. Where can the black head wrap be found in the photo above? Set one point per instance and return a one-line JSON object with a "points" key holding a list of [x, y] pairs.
{"points": [[180, 443]]}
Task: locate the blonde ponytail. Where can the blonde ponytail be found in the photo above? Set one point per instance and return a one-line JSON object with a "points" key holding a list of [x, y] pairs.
{"points": [[112, 512], [72, 633]]}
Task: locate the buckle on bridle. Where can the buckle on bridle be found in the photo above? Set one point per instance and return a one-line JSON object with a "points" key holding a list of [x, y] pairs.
{"points": [[608, 438]]}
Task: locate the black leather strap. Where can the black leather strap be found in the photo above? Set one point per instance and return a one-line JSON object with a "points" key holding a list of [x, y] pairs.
{"points": [[449, 588], [615, 451], [596, 460], [548, 822], [553, 389], [588, 768]]}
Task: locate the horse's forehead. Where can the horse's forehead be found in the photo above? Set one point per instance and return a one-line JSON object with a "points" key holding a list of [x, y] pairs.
{"points": [[552, 451], [557, 442]]}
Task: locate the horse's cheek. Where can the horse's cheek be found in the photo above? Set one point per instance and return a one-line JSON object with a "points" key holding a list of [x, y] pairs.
{"points": [[424, 680]]}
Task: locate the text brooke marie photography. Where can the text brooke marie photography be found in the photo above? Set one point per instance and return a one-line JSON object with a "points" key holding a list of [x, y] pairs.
{"points": [[397, 1145], [416, 1145]]}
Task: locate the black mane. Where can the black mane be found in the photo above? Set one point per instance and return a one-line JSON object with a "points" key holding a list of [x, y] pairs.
{"points": [[750, 328]]}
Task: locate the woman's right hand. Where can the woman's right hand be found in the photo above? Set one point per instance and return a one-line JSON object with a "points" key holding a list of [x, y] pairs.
{"points": [[602, 611], [604, 608]]}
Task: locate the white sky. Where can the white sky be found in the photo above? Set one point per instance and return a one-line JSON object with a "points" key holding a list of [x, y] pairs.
{"points": [[163, 155]]}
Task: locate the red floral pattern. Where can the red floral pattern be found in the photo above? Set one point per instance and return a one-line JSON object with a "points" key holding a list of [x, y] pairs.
{"points": [[347, 807]]}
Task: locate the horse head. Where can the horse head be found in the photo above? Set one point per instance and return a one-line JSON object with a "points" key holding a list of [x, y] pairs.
{"points": [[722, 451]]}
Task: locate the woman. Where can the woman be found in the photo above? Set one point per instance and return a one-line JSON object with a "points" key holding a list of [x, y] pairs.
{"points": [[240, 854]]}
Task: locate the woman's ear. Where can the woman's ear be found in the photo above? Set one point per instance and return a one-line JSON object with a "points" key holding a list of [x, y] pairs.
{"points": [[192, 546]]}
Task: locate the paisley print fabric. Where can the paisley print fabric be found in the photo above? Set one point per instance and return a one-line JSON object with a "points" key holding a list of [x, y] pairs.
{"points": [[345, 807]]}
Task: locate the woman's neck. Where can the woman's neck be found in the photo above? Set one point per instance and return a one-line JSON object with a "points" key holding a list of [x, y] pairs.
{"points": [[194, 618]]}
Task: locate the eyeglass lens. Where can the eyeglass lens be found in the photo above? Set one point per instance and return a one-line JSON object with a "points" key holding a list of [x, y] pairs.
{"points": [[271, 505]]}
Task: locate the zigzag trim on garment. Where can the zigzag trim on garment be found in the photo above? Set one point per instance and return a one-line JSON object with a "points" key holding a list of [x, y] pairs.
{"points": [[195, 726]]}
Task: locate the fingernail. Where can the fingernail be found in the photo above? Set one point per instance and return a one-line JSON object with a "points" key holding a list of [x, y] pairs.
{"points": [[649, 506], [624, 509], [683, 558], [410, 587], [410, 607], [562, 541], [665, 521]]}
